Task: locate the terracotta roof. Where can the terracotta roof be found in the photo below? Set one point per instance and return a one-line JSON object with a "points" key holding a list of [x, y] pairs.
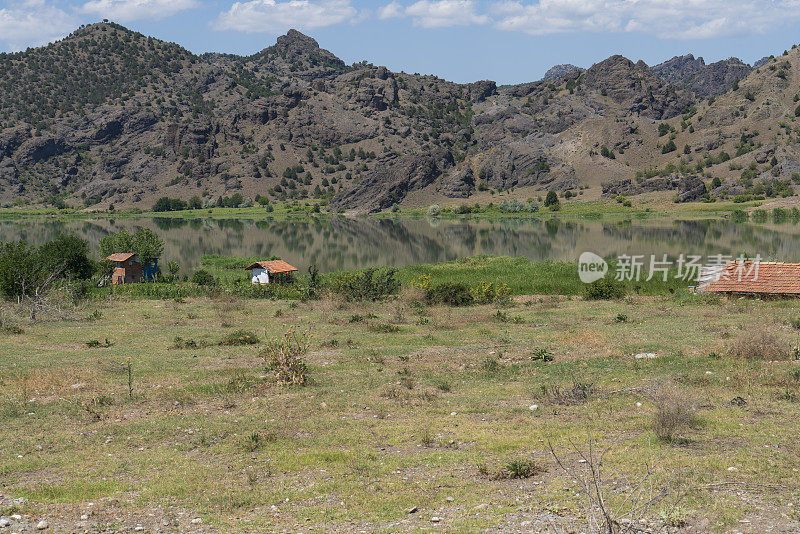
{"points": [[765, 278], [273, 267], [121, 256]]}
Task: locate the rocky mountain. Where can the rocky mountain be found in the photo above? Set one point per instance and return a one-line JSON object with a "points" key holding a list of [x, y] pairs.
{"points": [[108, 116], [559, 71], [704, 80]]}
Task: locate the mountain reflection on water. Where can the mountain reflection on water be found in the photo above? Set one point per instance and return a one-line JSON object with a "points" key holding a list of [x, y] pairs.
{"points": [[343, 243]]}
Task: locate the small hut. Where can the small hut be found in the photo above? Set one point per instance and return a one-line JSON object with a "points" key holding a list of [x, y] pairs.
{"points": [[754, 279], [128, 269], [266, 272]]}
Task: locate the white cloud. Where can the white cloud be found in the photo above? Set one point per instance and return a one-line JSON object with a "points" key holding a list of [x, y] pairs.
{"points": [[274, 16], [436, 13], [33, 23], [127, 10], [675, 19], [390, 11]]}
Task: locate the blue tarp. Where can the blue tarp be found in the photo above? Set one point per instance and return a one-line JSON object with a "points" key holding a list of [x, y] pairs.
{"points": [[150, 270]]}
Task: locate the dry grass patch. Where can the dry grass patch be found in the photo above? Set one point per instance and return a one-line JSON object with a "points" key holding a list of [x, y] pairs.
{"points": [[759, 345], [675, 412]]}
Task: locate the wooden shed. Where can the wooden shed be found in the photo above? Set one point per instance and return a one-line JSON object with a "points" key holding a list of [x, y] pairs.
{"points": [[265, 272], [128, 269], [755, 278]]}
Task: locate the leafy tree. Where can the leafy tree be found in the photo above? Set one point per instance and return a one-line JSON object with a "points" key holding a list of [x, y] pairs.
{"points": [[162, 204], [144, 242], [669, 147], [551, 199], [171, 204], [195, 203], [20, 269], [29, 272], [68, 254]]}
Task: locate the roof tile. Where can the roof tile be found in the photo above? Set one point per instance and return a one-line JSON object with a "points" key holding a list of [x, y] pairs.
{"points": [[767, 278]]}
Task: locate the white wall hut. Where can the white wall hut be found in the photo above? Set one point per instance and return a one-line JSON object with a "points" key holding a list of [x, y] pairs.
{"points": [[265, 272]]}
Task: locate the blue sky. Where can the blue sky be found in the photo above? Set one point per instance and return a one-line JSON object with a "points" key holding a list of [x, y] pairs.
{"points": [[509, 41]]}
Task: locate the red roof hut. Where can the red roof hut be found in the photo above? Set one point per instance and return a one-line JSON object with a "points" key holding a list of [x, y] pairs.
{"points": [[264, 272], [128, 268]]}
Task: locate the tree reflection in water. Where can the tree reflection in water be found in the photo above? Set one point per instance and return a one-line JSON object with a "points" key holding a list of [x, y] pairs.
{"points": [[343, 243]]}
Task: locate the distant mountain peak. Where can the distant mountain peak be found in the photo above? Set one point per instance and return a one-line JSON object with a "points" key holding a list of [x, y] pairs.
{"points": [[300, 55], [705, 80], [559, 70], [297, 40]]}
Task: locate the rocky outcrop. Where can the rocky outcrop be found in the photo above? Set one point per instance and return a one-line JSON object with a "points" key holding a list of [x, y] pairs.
{"points": [[298, 55], [704, 80], [560, 70], [293, 122], [691, 189], [761, 62], [39, 148], [460, 183], [11, 139], [634, 86], [480, 91], [393, 181], [688, 188], [521, 165]]}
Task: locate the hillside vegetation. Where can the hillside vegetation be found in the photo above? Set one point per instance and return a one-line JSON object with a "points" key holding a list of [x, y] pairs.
{"points": [[108, 116]]}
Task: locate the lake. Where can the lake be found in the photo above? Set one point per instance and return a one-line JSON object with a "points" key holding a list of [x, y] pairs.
{"points": [[343, 243]]}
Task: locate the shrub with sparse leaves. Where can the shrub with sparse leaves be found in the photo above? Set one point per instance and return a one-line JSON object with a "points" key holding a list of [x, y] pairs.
{"points": [[285, 357]]}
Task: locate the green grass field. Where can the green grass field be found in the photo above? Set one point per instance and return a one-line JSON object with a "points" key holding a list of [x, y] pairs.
{"points": [[408, 406], [522, 276]]}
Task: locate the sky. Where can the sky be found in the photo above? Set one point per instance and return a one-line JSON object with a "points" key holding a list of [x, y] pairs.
{"points": [[508, 41]]}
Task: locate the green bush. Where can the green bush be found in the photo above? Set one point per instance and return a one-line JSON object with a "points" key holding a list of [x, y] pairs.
{"points": [[491, 292], [369, 284], [739, 215], [201, 277], [434, 211], [450, 294], [603, 290]]}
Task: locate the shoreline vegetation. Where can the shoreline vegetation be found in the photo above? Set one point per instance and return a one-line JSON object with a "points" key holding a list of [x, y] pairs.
{"points": [[506, 208]]}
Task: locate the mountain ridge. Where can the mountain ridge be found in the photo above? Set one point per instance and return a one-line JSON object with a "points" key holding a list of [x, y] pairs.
{"points": [[110, 116]]}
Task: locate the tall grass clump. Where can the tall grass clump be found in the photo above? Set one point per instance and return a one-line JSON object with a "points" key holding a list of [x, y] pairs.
{"points": [[758, 345], [675, 412], [285, 356]]}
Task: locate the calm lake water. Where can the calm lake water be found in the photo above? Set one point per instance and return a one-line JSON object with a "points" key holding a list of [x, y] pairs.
{"points": [[342, 243]]}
